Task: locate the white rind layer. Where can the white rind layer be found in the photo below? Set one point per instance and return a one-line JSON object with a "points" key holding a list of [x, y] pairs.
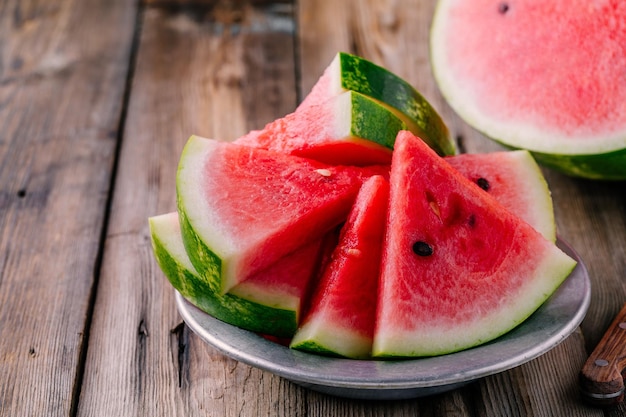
{"points": [[201, 215]]}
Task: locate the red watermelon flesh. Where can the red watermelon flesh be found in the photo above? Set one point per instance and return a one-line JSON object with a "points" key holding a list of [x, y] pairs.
{"points": [[349, 72], [347, 129], [285, 283], [340, 321], [515, 180], [269, 301], [241, 209], [457, 268]]}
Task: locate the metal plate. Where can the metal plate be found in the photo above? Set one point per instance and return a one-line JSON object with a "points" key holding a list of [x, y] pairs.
{"points": [[556, 319]]}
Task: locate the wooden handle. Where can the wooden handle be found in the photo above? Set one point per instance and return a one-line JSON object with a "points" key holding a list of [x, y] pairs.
{"points": [[601, 378]]}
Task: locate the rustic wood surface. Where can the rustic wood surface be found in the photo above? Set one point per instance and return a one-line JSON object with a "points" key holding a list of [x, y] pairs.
{"points": [[97, 99]]}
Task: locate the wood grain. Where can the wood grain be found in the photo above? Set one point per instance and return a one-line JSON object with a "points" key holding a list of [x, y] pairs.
{"points": [[63, 68], [214, 73]]}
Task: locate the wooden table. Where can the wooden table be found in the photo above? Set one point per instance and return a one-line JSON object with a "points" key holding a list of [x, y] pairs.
{"points": [[97, 99]]}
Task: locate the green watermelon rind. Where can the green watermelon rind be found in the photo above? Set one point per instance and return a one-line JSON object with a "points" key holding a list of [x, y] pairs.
{"points": [[609, 166], [316, 348], [207, 263], [348, 117], [322, 337], [371, 121], [171, 257], [209, 250], [363, 76], [596, 162]]}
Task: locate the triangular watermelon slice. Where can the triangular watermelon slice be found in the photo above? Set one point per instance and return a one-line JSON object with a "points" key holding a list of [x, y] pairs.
{"points": [[286, 284], [241, 208], [349, 72], [273, 309], [343, 306], [457, 268], [515, 180], [348, 129]]}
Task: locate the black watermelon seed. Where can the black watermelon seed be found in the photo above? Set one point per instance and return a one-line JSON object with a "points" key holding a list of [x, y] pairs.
{"points": [[483, 183], [471, 221], [422, 248], [503, 8]]}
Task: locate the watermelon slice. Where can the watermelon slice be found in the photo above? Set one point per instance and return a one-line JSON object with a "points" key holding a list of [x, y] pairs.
{"points": [[515, 181], [349, 72], [241, 208], [273, 309], [457, 268], [544, 76], [340, 321], [285, 285], [348, 129]]}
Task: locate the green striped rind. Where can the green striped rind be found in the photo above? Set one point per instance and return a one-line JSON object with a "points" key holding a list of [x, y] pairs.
{"points": [[321, 336], [360, 75], [207, 263], [372, 121], [171, 256], [313, 347], [209, 250], [605, 166]]}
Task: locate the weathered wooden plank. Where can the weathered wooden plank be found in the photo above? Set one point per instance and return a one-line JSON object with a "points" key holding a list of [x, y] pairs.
{"points": [[591, 216], [215, 72], [547, 386], [63, 67]]}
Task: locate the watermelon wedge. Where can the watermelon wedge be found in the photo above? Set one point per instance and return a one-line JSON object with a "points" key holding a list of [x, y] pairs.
{"points": [[349, 72], [274, 309], [347, 129], [544, 76], [340, 320], [457, 269], [285, 285], [241, 208], [514, 179]]}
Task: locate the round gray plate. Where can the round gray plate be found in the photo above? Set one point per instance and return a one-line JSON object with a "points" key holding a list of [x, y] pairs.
{"points": [[556, 319]]}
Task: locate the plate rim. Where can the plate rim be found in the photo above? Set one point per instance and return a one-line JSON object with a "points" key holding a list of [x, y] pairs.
{"points": [[294, 365]]}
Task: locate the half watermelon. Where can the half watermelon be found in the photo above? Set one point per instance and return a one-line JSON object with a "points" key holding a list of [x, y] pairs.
{"points": [[256, 304], [241, 208], [458, 269], [544, 76]]}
